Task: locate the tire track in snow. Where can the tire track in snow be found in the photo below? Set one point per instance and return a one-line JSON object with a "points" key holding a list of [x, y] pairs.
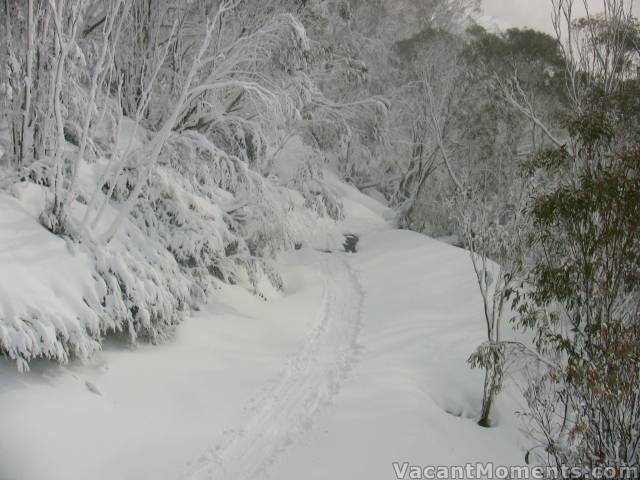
{"points": [[309, 381]]}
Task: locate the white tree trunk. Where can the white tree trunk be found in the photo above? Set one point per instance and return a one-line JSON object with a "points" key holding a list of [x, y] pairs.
{"points": [[26, 141]]}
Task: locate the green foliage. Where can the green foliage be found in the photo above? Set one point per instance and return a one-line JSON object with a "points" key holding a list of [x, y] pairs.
{"points": [[534, 57], [411, 49], [584, 304], [514, 45]]}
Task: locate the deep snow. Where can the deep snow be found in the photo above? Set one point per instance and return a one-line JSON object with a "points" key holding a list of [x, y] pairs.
{"points": [[362, 362], [37, 265]]}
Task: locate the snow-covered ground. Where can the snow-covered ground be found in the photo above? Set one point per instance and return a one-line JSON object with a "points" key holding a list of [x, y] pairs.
{"points": [[361, 363]]}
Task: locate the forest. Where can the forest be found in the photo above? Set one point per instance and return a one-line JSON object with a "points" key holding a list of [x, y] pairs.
{"points": [[173, 149]]}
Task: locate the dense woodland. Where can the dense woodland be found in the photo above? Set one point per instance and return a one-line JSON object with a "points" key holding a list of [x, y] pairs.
{"points": [[185, 143]]}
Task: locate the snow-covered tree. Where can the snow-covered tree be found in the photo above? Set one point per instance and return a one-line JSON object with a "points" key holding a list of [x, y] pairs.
{"points": [[149, 122]]}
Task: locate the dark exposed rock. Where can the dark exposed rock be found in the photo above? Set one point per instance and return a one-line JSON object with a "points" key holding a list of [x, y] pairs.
{"points": [[351, 243]]}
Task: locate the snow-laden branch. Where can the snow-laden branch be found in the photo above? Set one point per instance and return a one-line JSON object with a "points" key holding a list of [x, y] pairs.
{"points": [[222, 71], [514, 94]]}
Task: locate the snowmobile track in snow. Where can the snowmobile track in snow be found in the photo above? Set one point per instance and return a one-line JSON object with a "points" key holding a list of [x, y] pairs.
{"points": [[309, 381]]}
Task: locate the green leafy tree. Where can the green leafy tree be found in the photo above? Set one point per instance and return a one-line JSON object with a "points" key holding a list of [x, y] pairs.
{"points": [[585, 302]]}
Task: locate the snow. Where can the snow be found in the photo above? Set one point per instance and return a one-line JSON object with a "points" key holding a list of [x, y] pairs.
{"points": [[361, 362], [37, 265], [410, 396], [362, 213]]}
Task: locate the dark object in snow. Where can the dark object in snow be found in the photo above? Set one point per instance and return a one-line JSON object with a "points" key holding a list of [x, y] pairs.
{"points": [[92, 388], [351, 243]]}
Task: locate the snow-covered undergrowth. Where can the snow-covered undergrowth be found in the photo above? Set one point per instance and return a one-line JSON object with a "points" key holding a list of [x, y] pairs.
{"points": [[157, 162], [45, 290], [69, 295], [205, 218]]}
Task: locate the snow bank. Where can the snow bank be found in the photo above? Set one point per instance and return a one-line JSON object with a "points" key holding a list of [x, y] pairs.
{"points": [[46, 289], [160, 406], [59, 298]]}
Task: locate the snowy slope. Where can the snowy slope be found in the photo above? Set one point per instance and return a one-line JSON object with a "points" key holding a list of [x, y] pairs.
{"points": [[359, 364], [37, 265]]}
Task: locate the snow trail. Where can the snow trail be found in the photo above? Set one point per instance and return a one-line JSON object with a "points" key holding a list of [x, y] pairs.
{"points": [[309, 381]]}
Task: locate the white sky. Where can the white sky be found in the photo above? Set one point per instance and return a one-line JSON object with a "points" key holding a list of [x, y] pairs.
{"points": [[532, 13]]}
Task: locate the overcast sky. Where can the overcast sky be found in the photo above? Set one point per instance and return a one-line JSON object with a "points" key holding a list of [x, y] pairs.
{"points": [[531, 13]]}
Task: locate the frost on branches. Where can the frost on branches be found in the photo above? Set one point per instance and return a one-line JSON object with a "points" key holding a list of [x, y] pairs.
{"points": [[153, 143]]}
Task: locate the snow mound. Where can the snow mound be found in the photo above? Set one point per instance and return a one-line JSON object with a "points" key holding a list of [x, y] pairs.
{"points": [[59, 298], [45, 291]]}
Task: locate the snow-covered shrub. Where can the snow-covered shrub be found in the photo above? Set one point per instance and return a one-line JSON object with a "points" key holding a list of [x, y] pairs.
{"points": [[156, 160], [301, 167], [221, 220], [318, 196], [239, 138], [50, 305], [61, 298], [191, 227], [145, 293]]}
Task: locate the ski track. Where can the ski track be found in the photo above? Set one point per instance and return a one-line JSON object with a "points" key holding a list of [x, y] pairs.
{"points": [[309, 381]]}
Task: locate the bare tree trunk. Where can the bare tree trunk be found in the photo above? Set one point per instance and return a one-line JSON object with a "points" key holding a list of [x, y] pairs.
{"points": [[490, 390], [97, 79], [64, 44], [26, 135]]}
